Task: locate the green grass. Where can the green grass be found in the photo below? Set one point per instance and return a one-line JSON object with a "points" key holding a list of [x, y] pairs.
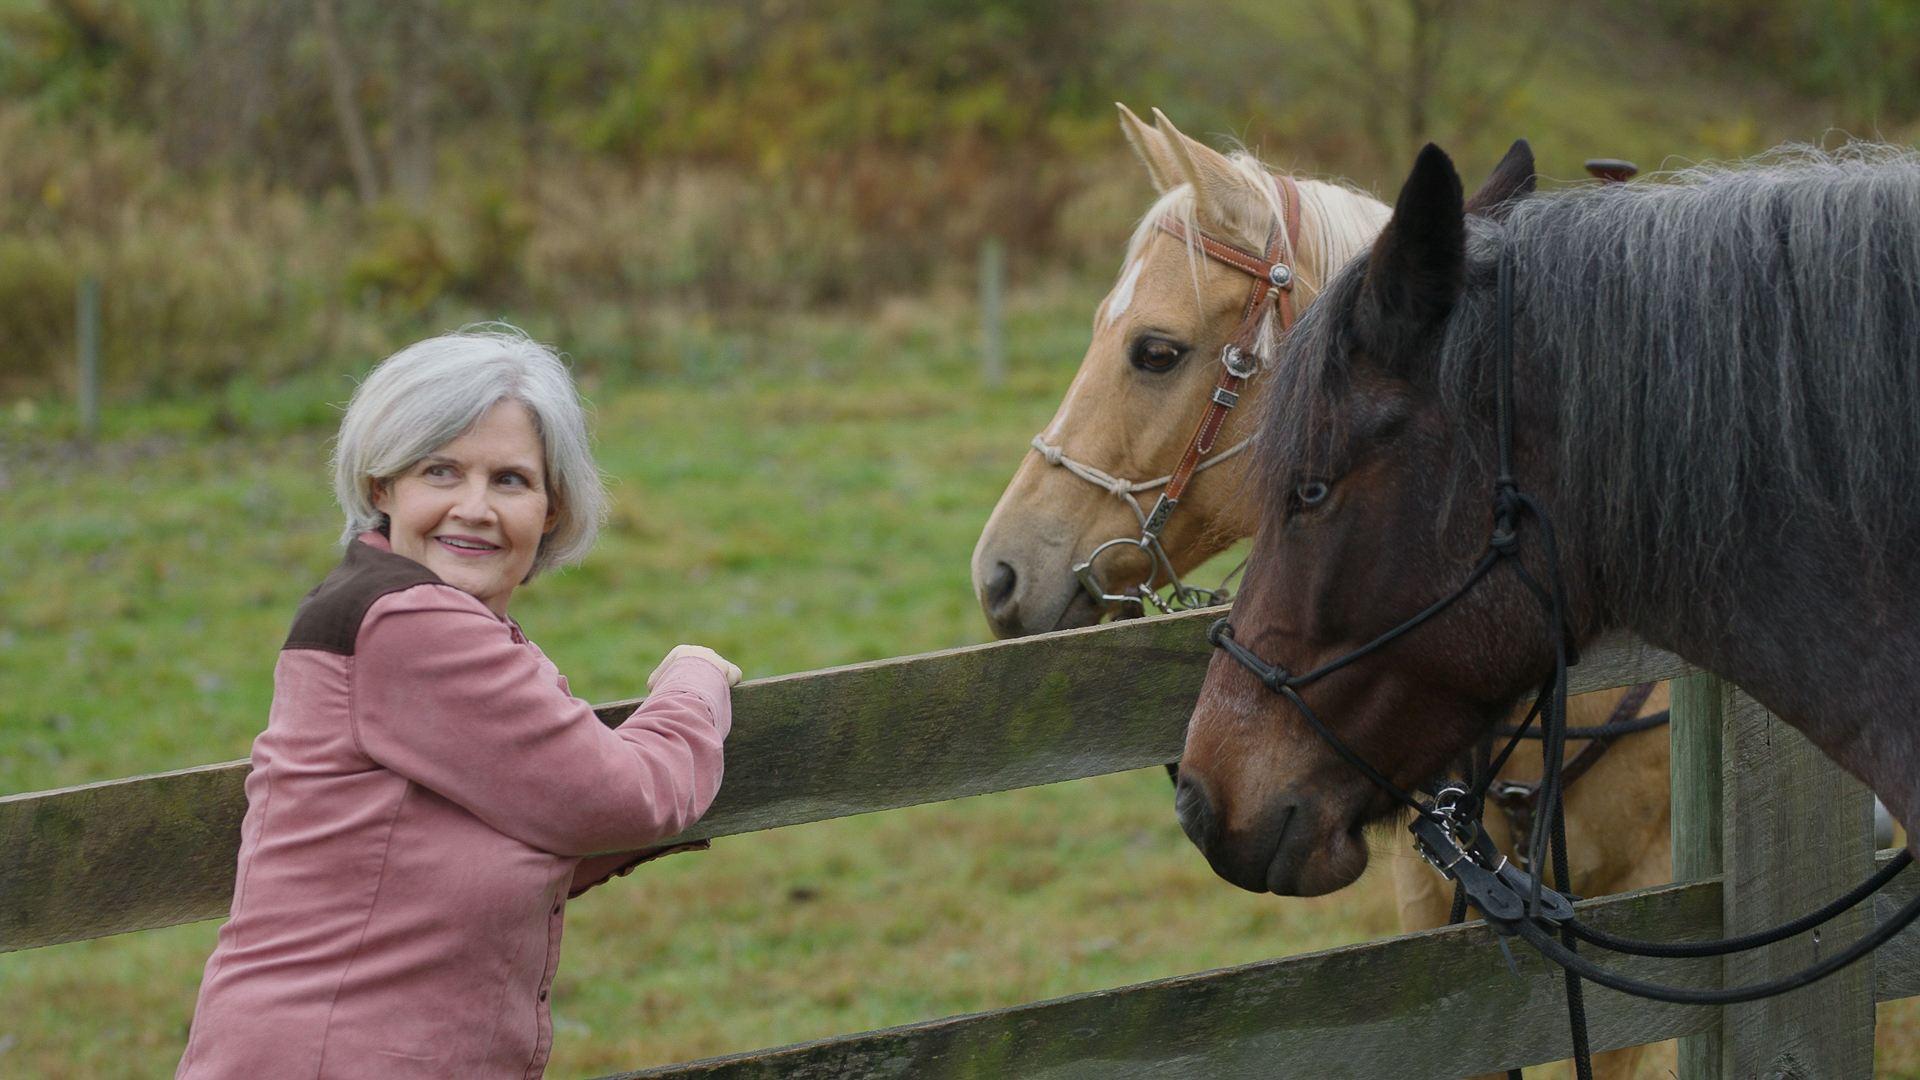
{"points": [[812, 501]]}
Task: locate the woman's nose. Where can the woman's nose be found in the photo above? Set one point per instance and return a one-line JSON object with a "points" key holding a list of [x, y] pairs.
{"points": [[474, 504]]}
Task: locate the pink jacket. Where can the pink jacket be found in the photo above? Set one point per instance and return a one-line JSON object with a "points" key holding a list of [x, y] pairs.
{"points": [[417, 816]]}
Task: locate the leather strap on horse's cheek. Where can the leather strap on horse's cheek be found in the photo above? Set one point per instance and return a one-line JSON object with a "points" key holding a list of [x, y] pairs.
{"points": [[1284, 304], [1216, 419], [1226, 394], [1266, 289]]}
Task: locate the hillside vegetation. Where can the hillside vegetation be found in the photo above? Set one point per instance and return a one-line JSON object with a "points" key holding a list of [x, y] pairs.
{"points": [[268, 189]]}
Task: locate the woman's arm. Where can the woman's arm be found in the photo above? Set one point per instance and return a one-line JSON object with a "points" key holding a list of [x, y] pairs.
{"points": [[444, 696]]}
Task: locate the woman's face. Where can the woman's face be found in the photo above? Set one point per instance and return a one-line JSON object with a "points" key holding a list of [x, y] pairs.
{"points": [[474, 510]]}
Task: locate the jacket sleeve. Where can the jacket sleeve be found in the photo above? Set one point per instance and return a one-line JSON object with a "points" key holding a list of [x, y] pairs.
{"points": [[444, 696]]}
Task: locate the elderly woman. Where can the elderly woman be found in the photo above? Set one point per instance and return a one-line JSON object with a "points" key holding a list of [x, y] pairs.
{"points": [[427, 794]]}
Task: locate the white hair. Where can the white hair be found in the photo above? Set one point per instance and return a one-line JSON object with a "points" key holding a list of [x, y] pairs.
{"points": [[429, 393]]}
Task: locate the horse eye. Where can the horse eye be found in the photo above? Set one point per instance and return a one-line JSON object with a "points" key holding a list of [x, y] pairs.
{"points": [[1309, 494], [1156, 354]]}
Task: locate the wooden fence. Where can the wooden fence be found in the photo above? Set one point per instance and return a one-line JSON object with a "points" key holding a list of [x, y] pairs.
{"points": [[1764, 827]]}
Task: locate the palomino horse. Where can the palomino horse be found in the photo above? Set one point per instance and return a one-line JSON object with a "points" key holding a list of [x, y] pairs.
{"points": [[1711, 396], [1142, 390]]}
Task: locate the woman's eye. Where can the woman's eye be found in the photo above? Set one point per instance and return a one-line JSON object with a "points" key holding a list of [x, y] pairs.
{"points": [[1157, 354], [438, 471], [1309, 494], [512, 479]]}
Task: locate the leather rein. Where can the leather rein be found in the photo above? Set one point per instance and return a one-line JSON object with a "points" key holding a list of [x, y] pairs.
{"points": [[1272, 290]]}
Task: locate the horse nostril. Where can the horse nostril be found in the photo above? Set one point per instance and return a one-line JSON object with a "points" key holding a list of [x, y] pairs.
{"points": [[1000, 586], [1195, 811]]}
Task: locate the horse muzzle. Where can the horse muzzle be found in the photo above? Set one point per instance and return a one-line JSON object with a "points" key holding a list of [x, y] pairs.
{"points": [[1287, 846]]}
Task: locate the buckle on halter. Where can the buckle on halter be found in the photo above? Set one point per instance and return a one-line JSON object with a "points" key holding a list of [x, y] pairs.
{"points": [[1225, 398], [1280, 274], [1240, 363], [1157, 519]]}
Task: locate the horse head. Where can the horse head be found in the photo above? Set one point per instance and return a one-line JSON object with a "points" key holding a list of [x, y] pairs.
{"points": [[1143, 387], [1374, 505]]}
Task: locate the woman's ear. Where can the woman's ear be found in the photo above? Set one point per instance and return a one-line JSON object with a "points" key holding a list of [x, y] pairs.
{"points": [[377, 493]]}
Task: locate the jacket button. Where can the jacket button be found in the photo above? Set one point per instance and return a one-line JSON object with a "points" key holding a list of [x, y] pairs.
{"points": [[543, 993]]}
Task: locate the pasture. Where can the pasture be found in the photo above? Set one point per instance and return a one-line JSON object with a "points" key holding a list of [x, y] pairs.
{"points": [[798, 502], [811, 501]]}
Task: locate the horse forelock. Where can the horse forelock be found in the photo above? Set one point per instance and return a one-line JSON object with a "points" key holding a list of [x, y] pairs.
{"points": [[1735, 347], [1337, 222]]}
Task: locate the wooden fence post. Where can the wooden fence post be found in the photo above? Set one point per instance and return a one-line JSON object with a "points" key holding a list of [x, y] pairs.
{"points": [[86, 311], [1796, 833], [993, 342], [1699, 704]]}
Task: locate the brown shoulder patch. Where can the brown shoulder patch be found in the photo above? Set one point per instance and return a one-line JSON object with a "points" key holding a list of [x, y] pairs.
{"points": [[330, 616]]}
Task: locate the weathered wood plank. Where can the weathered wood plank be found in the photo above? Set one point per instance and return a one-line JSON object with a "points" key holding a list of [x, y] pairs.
{"points": [[1440, 1003], [1896, 965], [158, 850], [1437, 1004], [1699, 706], [1797, 832]]}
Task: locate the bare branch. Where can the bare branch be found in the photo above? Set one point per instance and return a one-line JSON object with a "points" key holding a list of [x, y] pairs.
{"points": [[346, 107]]}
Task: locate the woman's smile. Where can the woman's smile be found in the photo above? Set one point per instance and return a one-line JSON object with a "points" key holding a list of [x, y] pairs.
{"points": [[468, 546]]}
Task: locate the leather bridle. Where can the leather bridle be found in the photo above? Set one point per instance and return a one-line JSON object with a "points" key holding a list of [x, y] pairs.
{"points": [[1273, 277]]}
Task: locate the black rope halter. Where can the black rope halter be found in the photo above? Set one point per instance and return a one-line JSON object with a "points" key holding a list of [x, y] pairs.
{"points": [[1446, 825]]}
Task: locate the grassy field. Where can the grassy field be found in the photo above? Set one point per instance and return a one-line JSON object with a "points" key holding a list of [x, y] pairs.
{"points": [[796, 501]]}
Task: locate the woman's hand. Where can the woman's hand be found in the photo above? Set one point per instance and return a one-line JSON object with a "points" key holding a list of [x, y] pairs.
{"points": [[697, 652]]}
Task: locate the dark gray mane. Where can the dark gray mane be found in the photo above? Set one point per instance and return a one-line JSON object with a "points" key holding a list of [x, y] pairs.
{"points": [[1723, 355]]}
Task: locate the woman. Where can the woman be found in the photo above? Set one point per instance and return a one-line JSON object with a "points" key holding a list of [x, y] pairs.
{"points": [[428, 795]]}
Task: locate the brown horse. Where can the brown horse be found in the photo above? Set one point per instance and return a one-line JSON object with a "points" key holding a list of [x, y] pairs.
{"points": [[1140, 393], [1689, 407]]}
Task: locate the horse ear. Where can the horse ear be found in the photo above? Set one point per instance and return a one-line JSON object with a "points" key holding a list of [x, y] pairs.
{"points": [[1219, 192], [1418, 264], [1151, 149], [1511, 181]]}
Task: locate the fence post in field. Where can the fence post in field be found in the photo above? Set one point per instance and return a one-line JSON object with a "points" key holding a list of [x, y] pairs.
{"points": [[993, 344], [87, 338], [1699, 702], [1797, 833]]}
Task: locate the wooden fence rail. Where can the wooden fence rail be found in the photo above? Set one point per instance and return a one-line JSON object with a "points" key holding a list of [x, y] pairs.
{"points": [[1764, 829], [151, 851], [1437, 1003]]}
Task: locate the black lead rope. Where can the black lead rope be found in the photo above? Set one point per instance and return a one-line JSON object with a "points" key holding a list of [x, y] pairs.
{"points": [[1447, 828], [1681, 995], [1744, 942]]}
